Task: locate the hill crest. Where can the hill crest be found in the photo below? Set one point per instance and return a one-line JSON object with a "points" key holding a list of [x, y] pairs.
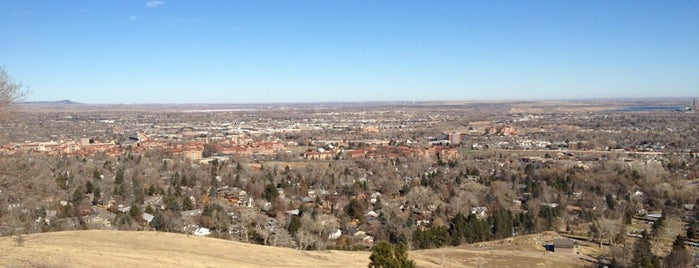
{"points": [[102, 248]]}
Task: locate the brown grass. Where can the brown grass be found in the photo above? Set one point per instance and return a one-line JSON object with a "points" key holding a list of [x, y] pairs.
{"points": [[98, 248]]}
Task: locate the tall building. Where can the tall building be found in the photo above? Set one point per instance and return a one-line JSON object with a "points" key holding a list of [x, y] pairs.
{"points": [[695, 104], [84, 141], [455, 138]]}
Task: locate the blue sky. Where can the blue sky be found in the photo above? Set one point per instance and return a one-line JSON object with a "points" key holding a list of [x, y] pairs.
{"points": [[99, 51]]}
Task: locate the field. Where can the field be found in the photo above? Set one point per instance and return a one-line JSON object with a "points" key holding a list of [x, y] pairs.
{"points": [[98, 248]]}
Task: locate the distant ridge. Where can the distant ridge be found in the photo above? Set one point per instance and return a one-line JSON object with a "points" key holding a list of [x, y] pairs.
{"points": [[59, 102]]}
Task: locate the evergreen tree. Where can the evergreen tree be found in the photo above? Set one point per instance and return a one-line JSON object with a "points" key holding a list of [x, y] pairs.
{"points": [[270, 192], [386, 255], [138, 193], [294, 225], [187, 204], [184, 182], [62, 181], [119, 178], [678, 257], [208, 211], [525, 223], [548, 214], [158, 223], [642, 255], [89, 187], [355, 210], [458, 229], [171, 203], [97, 194], [614, 263], [480, 229], [134, 212], [96, 175], [77, 196], [692, 229], [410, 221], [502, 223], [175, 179], [213, 181], [152, 190], [611, 203], [437, 236]]}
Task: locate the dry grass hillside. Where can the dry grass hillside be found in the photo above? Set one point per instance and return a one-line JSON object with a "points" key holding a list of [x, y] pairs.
{"points": [[97, 248]]}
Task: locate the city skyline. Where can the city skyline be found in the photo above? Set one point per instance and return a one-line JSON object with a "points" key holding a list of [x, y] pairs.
{"points": [[271, 52]]}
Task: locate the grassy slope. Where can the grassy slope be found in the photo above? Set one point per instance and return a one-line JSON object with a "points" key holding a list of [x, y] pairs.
{"points": [[97, 248]]}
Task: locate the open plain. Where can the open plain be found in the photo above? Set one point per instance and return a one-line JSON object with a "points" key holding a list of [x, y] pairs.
{"points": [[100, 248]]}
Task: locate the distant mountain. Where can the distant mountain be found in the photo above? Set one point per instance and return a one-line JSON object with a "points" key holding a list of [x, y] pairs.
{"points": [[60, 102]]}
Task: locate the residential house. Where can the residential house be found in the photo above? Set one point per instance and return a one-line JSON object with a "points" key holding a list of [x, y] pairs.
{"points": [[564, 245], [480, 212]]}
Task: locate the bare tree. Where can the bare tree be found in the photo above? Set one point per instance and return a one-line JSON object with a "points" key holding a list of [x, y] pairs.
{"points": [[609, 228], [10, 90], [422, 197]]}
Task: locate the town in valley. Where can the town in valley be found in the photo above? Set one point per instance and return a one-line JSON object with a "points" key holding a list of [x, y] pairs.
{"points": [[600, 175]]}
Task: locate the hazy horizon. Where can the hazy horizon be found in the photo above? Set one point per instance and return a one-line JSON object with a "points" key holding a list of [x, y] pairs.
{"points": [[678, 100]]}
